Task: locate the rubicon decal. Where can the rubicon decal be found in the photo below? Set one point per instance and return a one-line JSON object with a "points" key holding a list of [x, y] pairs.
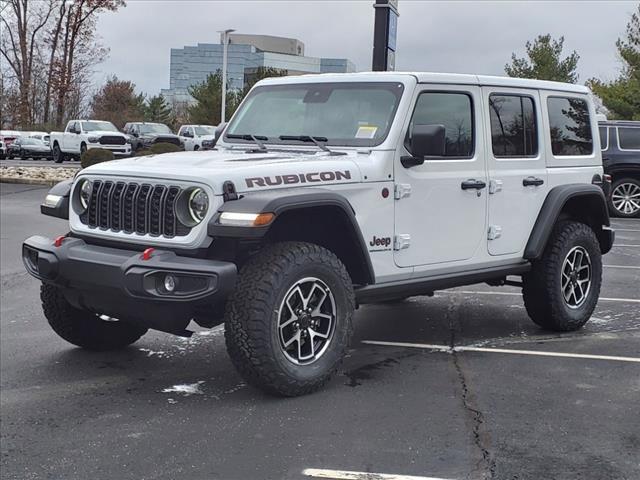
{"points": [[298, 178]]}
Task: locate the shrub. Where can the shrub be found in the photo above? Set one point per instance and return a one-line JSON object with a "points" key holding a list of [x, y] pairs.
{"points": [[95, 155], [158, 148]]}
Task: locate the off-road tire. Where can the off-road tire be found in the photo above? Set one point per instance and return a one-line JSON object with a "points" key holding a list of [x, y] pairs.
{"points": [[83, 328], [542, 290], [251, 318], [624, 182]]}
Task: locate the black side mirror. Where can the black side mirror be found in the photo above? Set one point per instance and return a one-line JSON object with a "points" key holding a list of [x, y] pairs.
{"points": [[219, 129], [427, 141]]}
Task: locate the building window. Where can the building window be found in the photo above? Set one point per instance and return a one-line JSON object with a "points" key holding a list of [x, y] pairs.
{"points": [[629, 138], [569, 126], [454, 112], [513, 126]]}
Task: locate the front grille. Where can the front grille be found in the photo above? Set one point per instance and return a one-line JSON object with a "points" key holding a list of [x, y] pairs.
{"points": [[112, 140], [134, 207], [173, 140]]}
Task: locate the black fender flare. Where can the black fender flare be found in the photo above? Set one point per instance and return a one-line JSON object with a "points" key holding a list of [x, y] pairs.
{"points": [[278, 202], [61, 210], [595, 207]]}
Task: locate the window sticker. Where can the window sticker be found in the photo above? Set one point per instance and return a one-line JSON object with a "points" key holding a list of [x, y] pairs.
{"points": [[366, 131]]}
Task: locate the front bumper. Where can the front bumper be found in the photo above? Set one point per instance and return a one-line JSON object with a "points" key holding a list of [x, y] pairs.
{"points": [[117, 150], [122, 284]]}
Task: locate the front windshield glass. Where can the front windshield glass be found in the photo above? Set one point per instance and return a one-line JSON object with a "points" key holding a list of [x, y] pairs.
{"points": [[205, 130], [346, 113], [154, 128], [29, 141], [98, 126]]}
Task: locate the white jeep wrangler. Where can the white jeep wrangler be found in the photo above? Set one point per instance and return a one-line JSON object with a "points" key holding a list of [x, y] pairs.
{"points": [[327, 192]]}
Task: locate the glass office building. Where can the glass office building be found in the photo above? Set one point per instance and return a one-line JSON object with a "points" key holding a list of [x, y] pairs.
{"points": [[190, 65]]}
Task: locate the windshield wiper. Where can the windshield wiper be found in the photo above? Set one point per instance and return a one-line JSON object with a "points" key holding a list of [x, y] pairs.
{"points": [[319, 141], [257, 139]]}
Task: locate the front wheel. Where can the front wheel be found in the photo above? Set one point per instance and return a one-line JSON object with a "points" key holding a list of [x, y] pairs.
{"points": [[58, 156], [562, 289], [289, 322], [625, 198], [83, 328]]}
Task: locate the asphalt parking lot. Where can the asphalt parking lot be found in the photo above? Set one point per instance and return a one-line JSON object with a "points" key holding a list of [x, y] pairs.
{"points": [[509, 401]]}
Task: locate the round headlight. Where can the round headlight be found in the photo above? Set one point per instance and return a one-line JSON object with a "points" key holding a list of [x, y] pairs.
{"points": [[85, 193], [198, 204]]}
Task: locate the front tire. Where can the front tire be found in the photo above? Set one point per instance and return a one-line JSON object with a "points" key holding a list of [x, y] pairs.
{"points": [[289, 323], [562, 289], [83, 328], [58, 156], [625, 198]]}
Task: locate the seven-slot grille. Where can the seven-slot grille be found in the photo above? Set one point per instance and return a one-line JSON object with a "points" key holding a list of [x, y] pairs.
{"points": [[112, 140], [134, 207]]}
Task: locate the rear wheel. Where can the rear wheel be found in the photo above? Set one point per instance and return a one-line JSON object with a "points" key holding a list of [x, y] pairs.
{"points": [[625, 198], [289, 320], [83, 328], [562, 289]]}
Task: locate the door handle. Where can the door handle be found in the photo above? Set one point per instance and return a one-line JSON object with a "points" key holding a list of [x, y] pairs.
{"points": [[472, 183], [532, 181]]}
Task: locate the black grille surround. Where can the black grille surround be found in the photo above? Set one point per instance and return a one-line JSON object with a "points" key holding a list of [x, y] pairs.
{"points": [[131, 207], [112, 140], [173, 140]]}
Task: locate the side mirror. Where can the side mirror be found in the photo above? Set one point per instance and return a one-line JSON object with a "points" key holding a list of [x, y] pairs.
{"points": [[427, 141], [219, 129]]}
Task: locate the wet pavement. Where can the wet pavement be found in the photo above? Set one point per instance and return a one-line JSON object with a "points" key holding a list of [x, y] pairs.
{"points": [[169, 407]]}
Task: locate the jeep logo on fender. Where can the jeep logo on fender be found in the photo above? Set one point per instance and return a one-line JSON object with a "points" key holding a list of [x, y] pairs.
{"points": [[297, 178], [380, 242]]}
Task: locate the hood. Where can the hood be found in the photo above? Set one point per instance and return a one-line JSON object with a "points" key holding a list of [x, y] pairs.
{"points": [[248, 171], [99, 133]]}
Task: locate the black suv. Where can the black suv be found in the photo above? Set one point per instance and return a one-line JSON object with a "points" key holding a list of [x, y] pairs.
{"points": [[620, 140], [145, 134]]}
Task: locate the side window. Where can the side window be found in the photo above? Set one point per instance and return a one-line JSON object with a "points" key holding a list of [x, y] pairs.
{"points": [[513, 126], [629, 138], [454, 112], [604, 138], [181, 132], [569, 126]]}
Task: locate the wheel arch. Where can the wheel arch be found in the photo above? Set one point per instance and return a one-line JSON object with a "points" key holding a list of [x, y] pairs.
{"points": [[318, 216], [582, 202]]}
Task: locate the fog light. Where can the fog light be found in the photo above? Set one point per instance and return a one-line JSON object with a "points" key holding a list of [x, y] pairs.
{"points": [[170, 283]]}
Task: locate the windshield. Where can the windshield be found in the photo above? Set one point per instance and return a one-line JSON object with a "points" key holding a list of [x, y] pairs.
{"points": [[154, 128], [205, 130], [349, 114], [29, 141], [98, 126]]}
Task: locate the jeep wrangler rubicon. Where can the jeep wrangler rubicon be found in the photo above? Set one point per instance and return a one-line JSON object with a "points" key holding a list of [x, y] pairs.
{"points": [[327, 192]]}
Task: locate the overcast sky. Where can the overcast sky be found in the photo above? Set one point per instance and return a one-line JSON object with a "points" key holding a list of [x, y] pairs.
{"points": [[452, 36]]}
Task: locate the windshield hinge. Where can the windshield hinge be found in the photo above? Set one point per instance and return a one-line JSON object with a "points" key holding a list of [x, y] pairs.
{"points": [[229, 191], [402, 190]]}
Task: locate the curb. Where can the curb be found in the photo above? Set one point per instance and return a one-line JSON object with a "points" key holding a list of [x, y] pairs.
{"points": [[30, 181]]}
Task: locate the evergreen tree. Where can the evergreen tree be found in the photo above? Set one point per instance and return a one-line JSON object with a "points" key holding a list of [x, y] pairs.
{"points": [[545, 61], [158, 110]]}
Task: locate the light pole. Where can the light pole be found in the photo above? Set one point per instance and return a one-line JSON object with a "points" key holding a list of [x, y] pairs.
{"points": [[225, 44]]}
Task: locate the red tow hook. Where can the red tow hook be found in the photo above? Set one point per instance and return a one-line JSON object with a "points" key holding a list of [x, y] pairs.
{"points": [[146, 255], [58, 241]]}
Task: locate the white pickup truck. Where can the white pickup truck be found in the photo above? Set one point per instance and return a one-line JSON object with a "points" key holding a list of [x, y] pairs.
{"points": [[82, 135]]}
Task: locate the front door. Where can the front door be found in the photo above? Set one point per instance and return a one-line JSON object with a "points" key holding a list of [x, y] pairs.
{"points": [[440, 215], [517, 170]]}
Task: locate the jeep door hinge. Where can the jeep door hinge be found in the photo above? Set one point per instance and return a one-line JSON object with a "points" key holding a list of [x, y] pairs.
{"points": [[495, 231], [495, 186], [402, 241], [402, 190]]}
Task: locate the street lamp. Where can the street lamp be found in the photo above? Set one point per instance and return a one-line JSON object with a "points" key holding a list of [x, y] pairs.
{"points": [[225, 43]]}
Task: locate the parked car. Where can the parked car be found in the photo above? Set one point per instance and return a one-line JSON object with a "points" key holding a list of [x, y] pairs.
{"points": [[620, 143], [82, 135], [145, 134], [43, 136], [30, 147], [196, 137], [7, 137], [420, 182]]}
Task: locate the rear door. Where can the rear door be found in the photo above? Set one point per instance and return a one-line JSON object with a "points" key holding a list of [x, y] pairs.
{"points": [[518, 181]]}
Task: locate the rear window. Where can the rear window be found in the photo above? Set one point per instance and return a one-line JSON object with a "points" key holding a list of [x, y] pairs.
{"points": [[513, 126], [604, 138], [569, 126], [629, 138]]}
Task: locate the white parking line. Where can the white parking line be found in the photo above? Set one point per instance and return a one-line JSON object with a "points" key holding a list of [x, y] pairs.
{"points": [[621, 266], [445, 348], [625, 230], [616, 245], [516, 294], [348, 475]]}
